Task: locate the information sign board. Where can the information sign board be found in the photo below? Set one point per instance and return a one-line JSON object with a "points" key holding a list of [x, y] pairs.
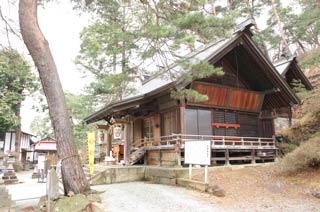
{"points": [[197, 152]]}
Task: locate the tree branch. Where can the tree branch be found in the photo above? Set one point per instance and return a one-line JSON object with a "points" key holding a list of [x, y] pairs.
{"points": [[8, 28]]}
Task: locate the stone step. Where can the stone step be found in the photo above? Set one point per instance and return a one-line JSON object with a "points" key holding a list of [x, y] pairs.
{"points": [[9, 177], [6, 204], [6, 182]]}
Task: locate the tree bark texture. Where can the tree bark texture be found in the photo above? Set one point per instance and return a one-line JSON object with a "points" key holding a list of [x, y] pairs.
{"points": [[72, 172]]}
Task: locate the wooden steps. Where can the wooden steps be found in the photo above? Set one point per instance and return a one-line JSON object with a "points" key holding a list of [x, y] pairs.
{"points": [[136, 155]]}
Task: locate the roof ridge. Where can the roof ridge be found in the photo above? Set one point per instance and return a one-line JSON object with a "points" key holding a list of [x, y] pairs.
{"points": [[283, 61]]}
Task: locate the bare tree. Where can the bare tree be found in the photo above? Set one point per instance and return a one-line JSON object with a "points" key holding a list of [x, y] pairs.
{"points": [[72, 172]]}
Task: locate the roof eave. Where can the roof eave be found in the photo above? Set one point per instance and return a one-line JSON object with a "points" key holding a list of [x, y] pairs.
{"points": [[99, 115]]}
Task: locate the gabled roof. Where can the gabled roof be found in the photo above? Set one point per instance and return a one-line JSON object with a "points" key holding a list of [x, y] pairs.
{"points": [[286, 65], [45, 145], [282, 65], [212, 52], [203, 53]]}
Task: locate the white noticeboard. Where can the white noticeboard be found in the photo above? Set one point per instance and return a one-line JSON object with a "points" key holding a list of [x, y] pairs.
{"points": [[197, 152], [41, 161]]}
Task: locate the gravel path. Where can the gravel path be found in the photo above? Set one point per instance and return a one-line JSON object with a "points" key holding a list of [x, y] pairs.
{"points": [[141, 196], [26, 189]]}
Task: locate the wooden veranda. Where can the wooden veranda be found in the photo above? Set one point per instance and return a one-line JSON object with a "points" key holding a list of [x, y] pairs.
{"points": [[169, 150]]}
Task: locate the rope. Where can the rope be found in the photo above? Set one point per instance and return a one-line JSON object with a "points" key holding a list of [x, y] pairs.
{"points": [[70, 156]]}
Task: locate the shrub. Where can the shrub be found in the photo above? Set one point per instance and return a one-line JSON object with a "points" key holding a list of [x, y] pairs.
{"points": [[305, 128], [307, 155], [17, 166], [310, 58]]}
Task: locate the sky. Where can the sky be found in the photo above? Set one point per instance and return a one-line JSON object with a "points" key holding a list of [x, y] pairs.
{"points": [[61, 26]]}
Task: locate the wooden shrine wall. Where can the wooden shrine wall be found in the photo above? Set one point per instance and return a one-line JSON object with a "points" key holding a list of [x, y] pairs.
{"points": [[228, 97]]}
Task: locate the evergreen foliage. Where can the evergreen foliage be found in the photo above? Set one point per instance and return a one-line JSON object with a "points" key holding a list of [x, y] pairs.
{"points": [[299, 89], [129, 37], [17, 81]]}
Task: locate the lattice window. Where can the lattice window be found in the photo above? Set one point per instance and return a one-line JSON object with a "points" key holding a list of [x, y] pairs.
{"points": [[225, 123], [148, 125]]}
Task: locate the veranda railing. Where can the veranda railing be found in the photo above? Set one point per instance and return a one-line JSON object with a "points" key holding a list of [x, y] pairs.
{"points": [[216, 141]]}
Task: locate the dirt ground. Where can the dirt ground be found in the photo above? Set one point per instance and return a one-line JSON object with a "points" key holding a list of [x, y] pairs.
{"points": [[265, 189]]}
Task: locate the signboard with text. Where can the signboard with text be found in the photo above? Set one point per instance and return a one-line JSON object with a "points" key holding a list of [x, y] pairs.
{"points": [[197, 152]]}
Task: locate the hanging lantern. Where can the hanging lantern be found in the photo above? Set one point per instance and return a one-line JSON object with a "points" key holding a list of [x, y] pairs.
{"points": [[117, 131]]}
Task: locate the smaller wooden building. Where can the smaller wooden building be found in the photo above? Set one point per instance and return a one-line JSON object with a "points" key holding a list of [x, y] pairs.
{"points": [[291, 73], [48, 147]]}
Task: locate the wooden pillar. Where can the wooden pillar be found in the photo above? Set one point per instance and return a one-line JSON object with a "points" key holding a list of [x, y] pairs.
{"points": [[178, 154], [179, 159], [227, 157], [109, 138], [182, 107], [290, 115], [253, 159], [127, 143]]}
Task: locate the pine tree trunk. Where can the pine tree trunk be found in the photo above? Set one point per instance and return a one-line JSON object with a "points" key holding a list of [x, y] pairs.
{"points": [[213, 8], [286, 49], [264, 49], [72, 172]]}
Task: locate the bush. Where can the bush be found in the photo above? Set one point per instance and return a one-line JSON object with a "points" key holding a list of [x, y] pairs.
{"points": [[17, 166], [307, 155], [305, 128], [310, 58]]}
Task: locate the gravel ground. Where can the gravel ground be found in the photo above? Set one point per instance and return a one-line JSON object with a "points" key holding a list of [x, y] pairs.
{"points": [[263, 188], [143, 197]]}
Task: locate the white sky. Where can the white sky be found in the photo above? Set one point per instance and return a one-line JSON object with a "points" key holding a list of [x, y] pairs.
{"points": [[61, 26]]}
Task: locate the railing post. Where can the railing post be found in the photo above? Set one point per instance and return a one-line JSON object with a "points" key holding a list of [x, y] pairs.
{"points": [[227, 162], [274, 140], [253, 160]]}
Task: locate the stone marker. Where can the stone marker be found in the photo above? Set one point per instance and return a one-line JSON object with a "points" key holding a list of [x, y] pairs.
{"points": [[9, 176]]}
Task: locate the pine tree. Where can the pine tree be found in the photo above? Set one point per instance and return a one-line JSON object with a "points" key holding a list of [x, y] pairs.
{"points": [[155, 32]]}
